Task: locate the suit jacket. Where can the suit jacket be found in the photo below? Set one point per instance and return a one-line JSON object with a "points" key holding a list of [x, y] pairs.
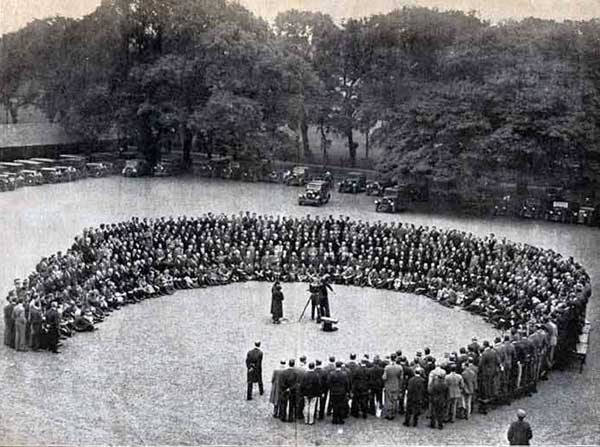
{"points": [[415, 392], [392, 377], [287, 381], [375, 376], [311, 384], [254, 365], [275, 386], [455, 385], [469, 380], [360, 380], [489, 363], [439, 392], [52, 318], [338, 383]]}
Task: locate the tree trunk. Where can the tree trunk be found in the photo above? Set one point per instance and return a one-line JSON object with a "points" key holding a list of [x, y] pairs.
{"points": [[187, 147], [367, 143], [305, 141], [351, 147]]}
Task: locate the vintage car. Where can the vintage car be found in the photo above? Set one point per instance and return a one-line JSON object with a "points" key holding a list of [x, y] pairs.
{"points": [[136, 168], [97, 169], [588, 214], [562, 211], [51, 175], [317, 193], [377, 186], [532, 208], [7, 182], [32, 177], [394, 200], [298, 176], [354, 183], [46, 162], [506, 206], [220, 167], [66, 173], [326, 177], [77, 162]]}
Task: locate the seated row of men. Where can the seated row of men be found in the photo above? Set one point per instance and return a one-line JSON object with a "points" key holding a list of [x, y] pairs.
{"points": [[510, 284], [444, 390]]}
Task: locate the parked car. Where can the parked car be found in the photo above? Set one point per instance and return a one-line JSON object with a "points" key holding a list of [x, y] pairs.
{"points": [[354, 183], [376, 187], [326, 177], [97, 169], [298, 176], [562, 211], [532, 208], [588, 214], [47, 162], [32, 177], [394, 200], [506, 206], [66, 173], [51, 175], [136, 168], [221, 167], [316, 193], [167, 168], [7, 182]]}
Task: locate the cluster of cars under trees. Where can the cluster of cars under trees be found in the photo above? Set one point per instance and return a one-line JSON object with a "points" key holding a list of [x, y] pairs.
{"points": [[550, 205]]}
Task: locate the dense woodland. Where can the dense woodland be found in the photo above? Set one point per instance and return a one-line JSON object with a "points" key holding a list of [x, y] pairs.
{"points": [[440, 94]]}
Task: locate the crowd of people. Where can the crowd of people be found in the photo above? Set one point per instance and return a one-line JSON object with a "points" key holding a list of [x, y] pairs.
{"points": [[477, 377], [512, 285]]}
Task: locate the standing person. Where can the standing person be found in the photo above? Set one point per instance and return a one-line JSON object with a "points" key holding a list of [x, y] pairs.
{"points": [[375, 386], [9, 323], [315, 301], [339, 387], [325, 289], [35, 318], [456, 385], [287, 393], [276, 303], [469, 376], [415, 396], [322, 373], [519, 432], [329, 368], [360, 390], [254, 367], [274, 397], [53, 322], [310, 388], [392, 381], [489, 367], [438, 398], [20, 320]]}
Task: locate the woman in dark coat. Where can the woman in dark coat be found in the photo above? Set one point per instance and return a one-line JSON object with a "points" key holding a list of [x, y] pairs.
{"points": [[9, 324], [276, 302]]}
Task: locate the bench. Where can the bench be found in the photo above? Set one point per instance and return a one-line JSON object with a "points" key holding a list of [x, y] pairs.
{"points": [[582, 346]]}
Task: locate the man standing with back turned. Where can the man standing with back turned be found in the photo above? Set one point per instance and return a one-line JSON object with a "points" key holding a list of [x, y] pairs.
{"points": [[254, 366], [519, 432]]}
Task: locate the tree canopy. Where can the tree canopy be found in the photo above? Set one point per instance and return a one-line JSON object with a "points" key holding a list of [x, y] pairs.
{"points": [[440, 94]]}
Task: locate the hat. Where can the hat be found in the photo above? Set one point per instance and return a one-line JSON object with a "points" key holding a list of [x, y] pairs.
{"points": [[521, 414], [257, 344]]}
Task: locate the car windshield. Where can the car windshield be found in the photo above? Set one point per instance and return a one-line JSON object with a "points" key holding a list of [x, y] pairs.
{"points": [[313, 187], [299, 170]]}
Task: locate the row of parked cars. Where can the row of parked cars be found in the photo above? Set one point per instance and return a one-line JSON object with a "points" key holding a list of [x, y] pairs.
{"points": [[39, 171], [554, 209]]}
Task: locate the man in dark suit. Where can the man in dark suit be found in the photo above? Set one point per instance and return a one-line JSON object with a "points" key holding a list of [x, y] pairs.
{"points": [[339, 387], [9, 323], [438, 398], [489, 366], [35, 319], [254, 367], [288, 380], [375, 372], [415, 397], [322, 373], [392, 381], [329, 368], [360, 390], [53, 322]]}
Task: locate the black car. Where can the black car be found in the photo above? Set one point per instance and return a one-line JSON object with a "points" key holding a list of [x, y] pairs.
{"points": [[533, 208], [562, 211], [354, 183], [299, 176], [316, 193], [376, 187], [394, 200], [506, 206], [588, 214]]}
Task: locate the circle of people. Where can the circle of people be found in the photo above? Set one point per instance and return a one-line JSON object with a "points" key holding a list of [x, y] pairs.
{"points": [[535, 295]]}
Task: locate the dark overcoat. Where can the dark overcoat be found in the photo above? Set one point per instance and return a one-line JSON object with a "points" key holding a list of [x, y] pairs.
{"points": [[254, 365], [415, 394], [277, 303]]}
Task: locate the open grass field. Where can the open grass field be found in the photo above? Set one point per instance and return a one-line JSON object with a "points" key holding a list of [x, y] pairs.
{"points": [[171, 370]]}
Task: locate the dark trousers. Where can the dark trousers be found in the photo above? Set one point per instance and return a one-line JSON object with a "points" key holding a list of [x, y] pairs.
{"points": [[438, 413], [360, 404], [412, 417], [53, 338], [375, 399], [315, 310], [261, 390], [339, 406], [322, 405], [299, 405], [289, 410]]}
